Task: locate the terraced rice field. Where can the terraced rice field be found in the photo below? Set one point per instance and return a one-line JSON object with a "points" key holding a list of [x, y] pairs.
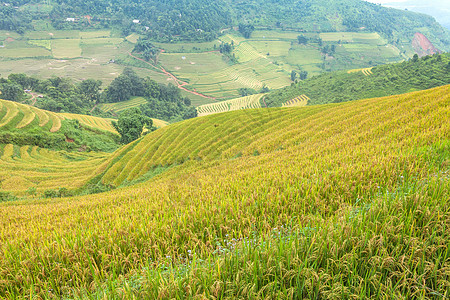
{"points": [[66, 48], [287, 203], [365, 71], [120, 106], [245, 52], [17, 115], [301, 100], [252, 101], [91, 121], [29, 167], [252, 74], [350, 36]]}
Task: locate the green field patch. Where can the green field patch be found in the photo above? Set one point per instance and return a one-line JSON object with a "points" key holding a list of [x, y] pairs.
{"points": [[348, 36], [245, 52], [4, 34], [303, 55], [271, 48], [252, 74], [38, 35], [66, 48], [65, 34], [95, 34], [24, 52], [188, 47], [101, 41], [275, 34], [53, 34], [133, 38], [183, 63], [120, 106], [228, 38], [47, 44], [359, 47]]}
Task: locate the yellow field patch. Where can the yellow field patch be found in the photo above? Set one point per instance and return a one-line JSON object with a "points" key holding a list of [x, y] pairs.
{"points": [[252, 101], [298, 101], [365, 71]]}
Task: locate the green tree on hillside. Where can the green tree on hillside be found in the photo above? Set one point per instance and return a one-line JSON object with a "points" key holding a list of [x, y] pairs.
{"points": [[302, 39], [130, 125], [11, 91], [90, 88]]}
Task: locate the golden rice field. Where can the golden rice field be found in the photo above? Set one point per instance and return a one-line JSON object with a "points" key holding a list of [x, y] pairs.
{"points": [[365, 71], [17, 115], [301, 100], [30, 167], [252, 101], [339, 201]]}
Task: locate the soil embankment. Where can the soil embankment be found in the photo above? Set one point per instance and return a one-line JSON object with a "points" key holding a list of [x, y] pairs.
{"points": [[423, 46]]}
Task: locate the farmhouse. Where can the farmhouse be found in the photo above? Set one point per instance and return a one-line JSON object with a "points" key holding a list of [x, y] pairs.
{"points": [[136, 21], [70, 19]]}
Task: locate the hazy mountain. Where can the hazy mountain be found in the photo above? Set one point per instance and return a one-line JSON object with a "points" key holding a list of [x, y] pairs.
{"points": [[440, 9]]}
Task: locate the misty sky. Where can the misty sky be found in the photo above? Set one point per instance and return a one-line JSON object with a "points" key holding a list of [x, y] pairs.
{"points": [[440, 9]]}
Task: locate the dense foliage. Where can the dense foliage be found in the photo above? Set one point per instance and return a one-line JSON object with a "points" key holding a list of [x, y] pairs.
{"points": [[71, 136], [130, 125], [58, 94], [204, 20], [385, 80], [165, 102], [62, 95]]}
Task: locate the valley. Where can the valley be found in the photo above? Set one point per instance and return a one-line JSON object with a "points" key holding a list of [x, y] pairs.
{"points": [[209, 149]]}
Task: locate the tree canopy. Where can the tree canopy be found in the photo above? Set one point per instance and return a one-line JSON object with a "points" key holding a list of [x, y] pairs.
{"points": [[130, 125]]}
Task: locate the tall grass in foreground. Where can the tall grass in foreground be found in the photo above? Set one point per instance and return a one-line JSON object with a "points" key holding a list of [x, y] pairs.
{"points": [[352, 205]]}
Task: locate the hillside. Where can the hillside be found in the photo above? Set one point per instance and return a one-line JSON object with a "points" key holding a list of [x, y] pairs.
{"points": [[384, 80], [183, 42], [202, 20], [253, 204], [26, 125]]}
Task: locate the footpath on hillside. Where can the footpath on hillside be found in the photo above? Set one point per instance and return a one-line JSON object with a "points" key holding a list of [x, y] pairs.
{"points": [[180, 84]]}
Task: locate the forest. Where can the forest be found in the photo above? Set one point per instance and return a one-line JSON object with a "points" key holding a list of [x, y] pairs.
{"points": [[59, 94], [385, 80], [202, 20]]}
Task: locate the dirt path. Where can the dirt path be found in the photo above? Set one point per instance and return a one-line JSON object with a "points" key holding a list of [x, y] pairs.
{"points": [[93, 108], [33, 98], [264, 100], [180, 83]]}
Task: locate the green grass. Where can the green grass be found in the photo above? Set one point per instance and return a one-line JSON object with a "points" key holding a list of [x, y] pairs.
{"points": [[47, 44], [69, 48], [24, 52], [348, 36], [188, 47], [95, 34]]}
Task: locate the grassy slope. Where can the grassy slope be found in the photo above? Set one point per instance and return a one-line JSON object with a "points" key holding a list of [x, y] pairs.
{"points": [[381, 81], [28, 117], [22, 125], [336, 201]]}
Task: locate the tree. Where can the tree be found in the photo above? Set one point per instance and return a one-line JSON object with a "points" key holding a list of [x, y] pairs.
{"points": [[415, 57], [131, 124], [303, 75], [90, 88], [302, 39], [293, 75], [11, 91], [246, 30]]}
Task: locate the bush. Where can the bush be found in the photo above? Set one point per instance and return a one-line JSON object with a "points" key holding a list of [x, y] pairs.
{"points": [[7, 196], [59, 193]]}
